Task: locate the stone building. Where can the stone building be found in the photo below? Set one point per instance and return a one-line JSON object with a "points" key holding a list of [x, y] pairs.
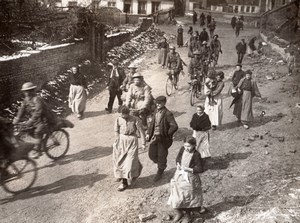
{"points": [[127, 6]]}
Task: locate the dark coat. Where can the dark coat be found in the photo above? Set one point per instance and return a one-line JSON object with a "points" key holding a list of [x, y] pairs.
{"points": [[196, 162], [200, 123], [167, 125], [115, 82], [241, 47]]}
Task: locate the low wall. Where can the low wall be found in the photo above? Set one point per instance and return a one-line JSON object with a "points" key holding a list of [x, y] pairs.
{"points": [[38, 67]]}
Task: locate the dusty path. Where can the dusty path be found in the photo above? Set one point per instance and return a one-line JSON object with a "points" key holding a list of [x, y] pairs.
{"points": [[81, 188]]}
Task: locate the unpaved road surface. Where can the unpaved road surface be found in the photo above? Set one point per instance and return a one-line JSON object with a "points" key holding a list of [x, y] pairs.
{"points": [[252, 177]]}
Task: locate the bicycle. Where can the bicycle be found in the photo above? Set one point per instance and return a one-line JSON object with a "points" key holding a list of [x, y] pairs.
{"points": [[171, 83], [18, 174], [196, 84], [55, 141]]}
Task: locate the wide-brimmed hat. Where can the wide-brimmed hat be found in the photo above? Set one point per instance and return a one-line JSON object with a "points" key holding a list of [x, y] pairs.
{"points": [[216, 35], [204, 42], [161, 99], [137, 75], [196, 52], [172, 47], [28, 86], [212, 74], [238, 64]]}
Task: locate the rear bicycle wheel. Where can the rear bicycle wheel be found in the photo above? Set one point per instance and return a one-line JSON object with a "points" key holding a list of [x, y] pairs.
{"points": [[21, 175], [193, 95], [57, 144], [169, 86]]}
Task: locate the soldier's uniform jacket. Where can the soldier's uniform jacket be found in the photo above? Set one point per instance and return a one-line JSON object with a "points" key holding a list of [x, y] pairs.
{"points": [[195, 66], [139, 97], [37, 109], [215, 46], [173, 61]]}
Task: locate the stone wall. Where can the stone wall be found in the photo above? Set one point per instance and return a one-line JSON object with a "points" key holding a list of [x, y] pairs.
{"points": [[38, 67]]}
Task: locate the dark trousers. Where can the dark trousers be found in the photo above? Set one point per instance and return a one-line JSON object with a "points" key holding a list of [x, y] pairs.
{"points": [[240, 57], [237, 32], [112, 96], [158, 151]]}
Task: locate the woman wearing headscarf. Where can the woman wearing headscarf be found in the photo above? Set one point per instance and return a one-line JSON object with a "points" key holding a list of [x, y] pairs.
{"points": [[78, 92], [127, 166], [248, 88], [214, 101]]}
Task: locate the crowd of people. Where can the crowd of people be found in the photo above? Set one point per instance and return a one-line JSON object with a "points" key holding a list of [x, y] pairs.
{"points": [[146, 118]]}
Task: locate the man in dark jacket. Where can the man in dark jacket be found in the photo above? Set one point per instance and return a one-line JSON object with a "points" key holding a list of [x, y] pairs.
{"points": [[160, 134], [115, 80], [194, 17], [238, 26], [233, 22], [204, 36], [208, 19], [241, 49]]}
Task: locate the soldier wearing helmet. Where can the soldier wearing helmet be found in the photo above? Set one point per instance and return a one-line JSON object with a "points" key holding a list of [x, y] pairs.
{"points": [[34, 106], [174, 62], [139, 97]]}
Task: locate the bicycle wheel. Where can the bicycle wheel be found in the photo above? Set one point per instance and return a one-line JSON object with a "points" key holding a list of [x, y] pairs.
{"points": [[169, 86], [193, 95], [21, 175], [57, 144]]}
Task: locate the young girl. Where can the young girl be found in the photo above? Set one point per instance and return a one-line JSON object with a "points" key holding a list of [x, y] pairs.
{"points": [[186, 191], [201, 124]]}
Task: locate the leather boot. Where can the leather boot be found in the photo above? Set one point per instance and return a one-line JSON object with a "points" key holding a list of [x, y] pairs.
{"points": [[158, 175]]}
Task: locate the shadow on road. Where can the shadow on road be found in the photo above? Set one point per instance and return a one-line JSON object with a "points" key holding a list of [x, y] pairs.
{"points": [[226, 205], [177, 114], [84, 155], [68, 183], [91, 114], [258, 121], [147, 182], [222, 162], [182, 133]]}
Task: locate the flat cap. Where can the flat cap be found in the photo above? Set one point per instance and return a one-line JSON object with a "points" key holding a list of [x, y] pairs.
{"points": [[161, 99]]}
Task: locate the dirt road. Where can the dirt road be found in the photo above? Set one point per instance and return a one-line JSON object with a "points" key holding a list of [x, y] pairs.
{"points": [[252, 177]]}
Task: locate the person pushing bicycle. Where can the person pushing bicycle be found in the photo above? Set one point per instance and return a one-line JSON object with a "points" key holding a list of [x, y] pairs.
{"points": [[195, 68]]}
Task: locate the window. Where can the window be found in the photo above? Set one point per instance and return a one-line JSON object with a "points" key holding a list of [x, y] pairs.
{"points": [[252, 9], [155, 6], [72, 3], [283, 2], [242, 8], [142, 8], [248, 9], [236, 9], [111, 4]]}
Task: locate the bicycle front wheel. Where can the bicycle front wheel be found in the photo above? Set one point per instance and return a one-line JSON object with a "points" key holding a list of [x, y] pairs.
{"points": [[169, 86], [57, 144], [21, 175]]}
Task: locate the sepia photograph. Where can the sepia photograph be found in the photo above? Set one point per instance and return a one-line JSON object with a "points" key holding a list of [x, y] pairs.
{"points": [[156, 111]]}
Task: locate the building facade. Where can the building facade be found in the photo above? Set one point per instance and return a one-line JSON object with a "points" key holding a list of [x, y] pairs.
{"points": [[127, 6]]}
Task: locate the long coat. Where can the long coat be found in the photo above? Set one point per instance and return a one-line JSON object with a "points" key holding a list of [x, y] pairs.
{"points": [[243, 108], [167, 125], [180, 37]]}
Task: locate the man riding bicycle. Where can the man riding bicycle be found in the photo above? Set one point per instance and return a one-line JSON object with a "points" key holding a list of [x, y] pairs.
{"points": [[40, 115], [195, 69], [174, 63]]}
